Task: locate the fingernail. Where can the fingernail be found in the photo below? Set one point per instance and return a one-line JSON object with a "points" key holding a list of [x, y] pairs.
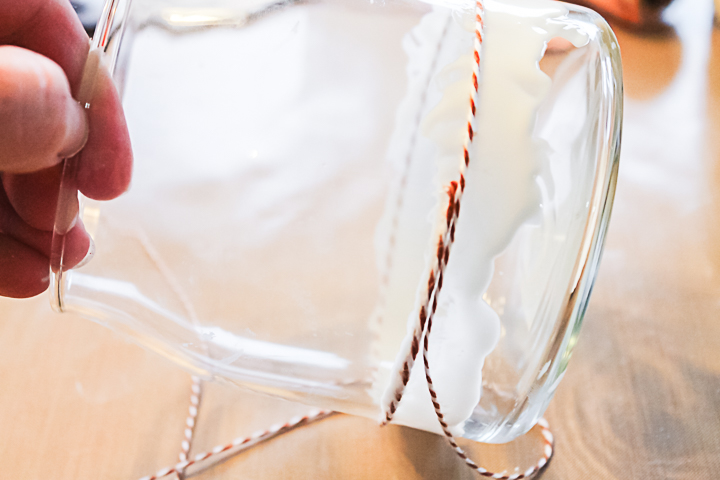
{"points": [[76, 132]]}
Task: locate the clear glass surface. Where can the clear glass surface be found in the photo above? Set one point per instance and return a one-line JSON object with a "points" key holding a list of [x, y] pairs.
{"points": [[253, 244]]}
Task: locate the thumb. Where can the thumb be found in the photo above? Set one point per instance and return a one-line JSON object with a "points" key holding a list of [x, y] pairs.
{"points": [[40, 123]]}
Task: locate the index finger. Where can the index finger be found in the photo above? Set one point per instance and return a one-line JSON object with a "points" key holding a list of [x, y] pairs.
{"points": [[50, 28]]}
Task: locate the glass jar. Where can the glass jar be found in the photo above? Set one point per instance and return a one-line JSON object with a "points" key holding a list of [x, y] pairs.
{"points": [[292, 164]]}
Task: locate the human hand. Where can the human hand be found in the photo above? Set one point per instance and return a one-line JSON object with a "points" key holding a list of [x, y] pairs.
{"points": [[43, 48]]}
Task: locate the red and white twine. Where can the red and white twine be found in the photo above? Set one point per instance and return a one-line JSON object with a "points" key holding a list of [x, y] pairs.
{"points": [[191, 420], [446, 239], [434, 284], [399, 199], [212, 457], [446, 236], [548, 439], [242, 443]]}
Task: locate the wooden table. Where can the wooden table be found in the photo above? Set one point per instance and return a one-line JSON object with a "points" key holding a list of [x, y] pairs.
{"points": [[641, 398]]}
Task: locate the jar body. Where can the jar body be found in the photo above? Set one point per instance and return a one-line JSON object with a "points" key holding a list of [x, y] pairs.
{"points": [[285, 190]]}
